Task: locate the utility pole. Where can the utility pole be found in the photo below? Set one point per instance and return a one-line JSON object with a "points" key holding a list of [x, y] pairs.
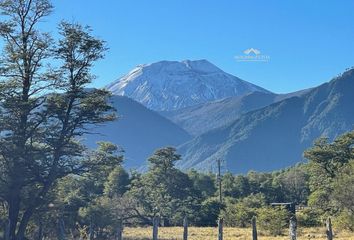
{"points": [[219, 181], [221, 221]]}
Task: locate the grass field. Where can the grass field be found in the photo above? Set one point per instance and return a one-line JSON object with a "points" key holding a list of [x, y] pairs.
{"points": [[175, 233]]}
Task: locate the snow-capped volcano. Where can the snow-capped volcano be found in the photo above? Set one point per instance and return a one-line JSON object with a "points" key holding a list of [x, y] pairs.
{"points": [[171, 85]]}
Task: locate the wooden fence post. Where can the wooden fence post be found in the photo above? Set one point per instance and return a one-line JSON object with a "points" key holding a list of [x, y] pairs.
{"points": [[292, 228], [329, 229], [185, 228], [254, 229], [155, 229], [120, 230], [220, 229]]}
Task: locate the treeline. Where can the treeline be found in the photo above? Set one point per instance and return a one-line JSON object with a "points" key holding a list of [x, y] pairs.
{"points": [[101, 200]]}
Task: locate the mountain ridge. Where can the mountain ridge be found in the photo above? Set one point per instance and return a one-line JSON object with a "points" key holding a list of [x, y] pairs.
{"points": [[138, 130], [275, 136], [204, 117]]}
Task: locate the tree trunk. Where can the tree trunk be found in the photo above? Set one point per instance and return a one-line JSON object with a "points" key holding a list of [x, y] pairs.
{"points": [[23, 224], [91, 230], [40, 231], [7, 230], [120, 230], [14, 210], [61, 230]]}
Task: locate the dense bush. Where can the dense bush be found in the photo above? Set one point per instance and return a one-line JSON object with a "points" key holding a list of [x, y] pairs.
{"points": [[273, 220], [309, 217], [345, 220], [209, 213], [239, 213]]}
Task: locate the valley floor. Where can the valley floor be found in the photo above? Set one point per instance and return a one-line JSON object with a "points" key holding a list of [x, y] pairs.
{"points": [[208, 233]]}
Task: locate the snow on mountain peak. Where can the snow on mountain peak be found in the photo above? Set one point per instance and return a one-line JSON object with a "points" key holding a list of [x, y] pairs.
{"points": [[169, 85], [201, 66]]}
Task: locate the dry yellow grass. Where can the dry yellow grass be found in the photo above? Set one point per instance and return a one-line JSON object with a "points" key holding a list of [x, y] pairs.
{"points": [[208, 233]]}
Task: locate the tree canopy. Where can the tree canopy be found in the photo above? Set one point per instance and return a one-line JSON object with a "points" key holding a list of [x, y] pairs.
{"points": [[45, 107]]}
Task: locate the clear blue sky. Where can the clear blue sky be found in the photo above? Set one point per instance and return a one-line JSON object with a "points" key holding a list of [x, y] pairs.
{"points": [[308, 42]]}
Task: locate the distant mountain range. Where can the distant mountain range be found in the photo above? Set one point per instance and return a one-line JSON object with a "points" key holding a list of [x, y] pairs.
{"points": [[209, 114], [204, 117], [275, 136], [170, 85], [138, 131]]}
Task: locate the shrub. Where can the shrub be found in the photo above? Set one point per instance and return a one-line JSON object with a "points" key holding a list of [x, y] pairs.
{"points": [[273, 220], [309, 218], [209, 213], [237, 215], [240, 213], [344, 221]]}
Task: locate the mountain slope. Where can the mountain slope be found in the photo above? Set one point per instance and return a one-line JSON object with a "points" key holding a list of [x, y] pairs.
{"points": [[275, 136], [138, 130], [204, 117], [169, 85]]}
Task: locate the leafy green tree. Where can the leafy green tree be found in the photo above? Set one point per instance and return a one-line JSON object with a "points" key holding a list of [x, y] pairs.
{"points": [[117, 182], [294, 184], [73, 193], [273, 220], [264, 183], [44, 111], [330, 157], [105, 160], [235, 186], [209, 212], [228, 188], [344, 188], [241, 185], [240, 213], [327, 161], [203, 183], [343, 196], [344, 220], [79, 196], [21, 66], [163, 191], [309, 217], [97, 216]]}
